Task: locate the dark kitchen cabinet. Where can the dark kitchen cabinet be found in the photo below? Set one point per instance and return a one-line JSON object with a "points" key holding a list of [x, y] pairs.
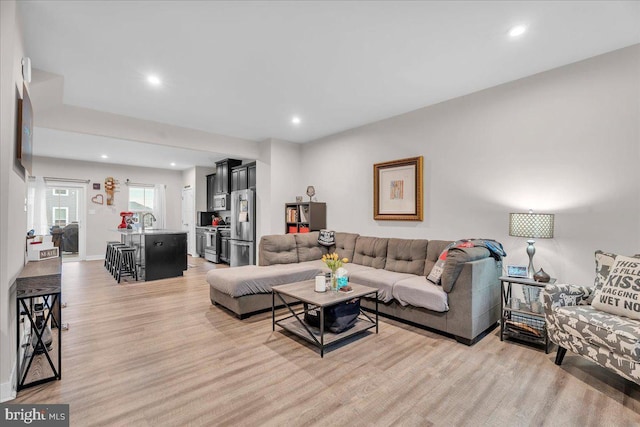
{"points": [[200, 241], [211, 191], [243, 177], [239, 178], [234, 180], [223, 175], [251, 176]]}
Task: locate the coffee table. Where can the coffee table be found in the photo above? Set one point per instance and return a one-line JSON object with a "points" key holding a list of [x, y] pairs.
{"points": [[305, 292]]}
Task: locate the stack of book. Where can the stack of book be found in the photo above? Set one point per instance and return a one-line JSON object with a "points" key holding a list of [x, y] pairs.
{"points": [[292, 214]]}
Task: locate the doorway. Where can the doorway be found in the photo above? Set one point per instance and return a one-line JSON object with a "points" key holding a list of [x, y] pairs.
{"points": [[65, 214]]}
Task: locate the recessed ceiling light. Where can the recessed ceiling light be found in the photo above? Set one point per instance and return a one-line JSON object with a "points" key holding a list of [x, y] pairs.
{"points": [[295, 120], [153, 80], [518, 30], [173, 163], [104, 156]]}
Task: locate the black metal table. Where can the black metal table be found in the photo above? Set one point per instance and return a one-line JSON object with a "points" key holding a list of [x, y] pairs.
{"points": [[522, 321], [35, 362], [305, 292]]}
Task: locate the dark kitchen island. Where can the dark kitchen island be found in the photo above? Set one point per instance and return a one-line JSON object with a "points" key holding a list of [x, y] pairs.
{"points": [[160, 254]]}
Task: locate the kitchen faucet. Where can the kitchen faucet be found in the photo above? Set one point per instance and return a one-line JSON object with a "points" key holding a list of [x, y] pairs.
{"points": [[153, 218]]}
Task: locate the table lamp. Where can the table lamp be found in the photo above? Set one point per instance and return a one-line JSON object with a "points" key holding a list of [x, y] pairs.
{"points": [[531, 225]]}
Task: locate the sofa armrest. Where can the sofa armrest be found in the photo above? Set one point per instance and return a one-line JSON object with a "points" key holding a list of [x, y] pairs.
{"points": [[456, 259], [562, 295], [474, 301]]}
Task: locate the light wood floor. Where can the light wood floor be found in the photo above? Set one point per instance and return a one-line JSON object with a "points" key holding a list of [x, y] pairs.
{"points": [[159, 354]]}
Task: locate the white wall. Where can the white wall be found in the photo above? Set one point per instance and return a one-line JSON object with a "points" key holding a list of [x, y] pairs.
{"points": [[263, 194], [285, 181], [565, 141], [201, 186], [13, 219], [105, 219]]}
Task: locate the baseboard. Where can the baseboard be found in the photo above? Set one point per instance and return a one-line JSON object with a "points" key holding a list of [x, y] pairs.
{"points": [[94, 258]]}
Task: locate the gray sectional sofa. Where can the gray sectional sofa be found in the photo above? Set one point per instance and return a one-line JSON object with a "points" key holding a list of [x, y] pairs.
{"points": [[465, 304]]}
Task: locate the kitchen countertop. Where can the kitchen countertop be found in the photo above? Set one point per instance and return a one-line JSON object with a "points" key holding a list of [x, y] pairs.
{"points": [[150, 231]]}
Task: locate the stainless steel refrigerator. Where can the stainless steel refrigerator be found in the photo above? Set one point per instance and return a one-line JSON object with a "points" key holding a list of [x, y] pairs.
{"points": [[242, 245]]}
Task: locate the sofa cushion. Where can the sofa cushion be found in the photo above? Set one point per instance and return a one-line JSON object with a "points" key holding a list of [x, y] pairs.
{"points": [[616, 333], [307, 246], [419, 292], [406, 255], [604, 261], [434, 249], [278, 249], [251, 279], [318, 264], [355, 268], [456, 259], [345, 245], [621, 293], [371, 251], [350, 267], [383, 280]]}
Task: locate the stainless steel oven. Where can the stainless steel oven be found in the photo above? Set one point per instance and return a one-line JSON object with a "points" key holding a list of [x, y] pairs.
{"points": [[211, 245]]}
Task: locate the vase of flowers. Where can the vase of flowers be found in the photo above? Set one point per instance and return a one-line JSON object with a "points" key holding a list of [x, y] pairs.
{"points": [[334, 262]]}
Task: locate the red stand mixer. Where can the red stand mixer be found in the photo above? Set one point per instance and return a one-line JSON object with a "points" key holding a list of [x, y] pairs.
{"points": [[125, 216]]}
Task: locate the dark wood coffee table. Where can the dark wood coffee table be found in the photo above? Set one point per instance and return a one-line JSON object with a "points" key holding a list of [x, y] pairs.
{"points": [[305, 292]]}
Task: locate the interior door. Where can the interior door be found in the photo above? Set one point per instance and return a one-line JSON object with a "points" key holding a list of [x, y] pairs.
{"points": [[189, 219]]}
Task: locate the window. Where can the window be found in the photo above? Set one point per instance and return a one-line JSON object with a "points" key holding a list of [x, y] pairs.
{"points": [[60, 216], [60, 192], [142, 199]]}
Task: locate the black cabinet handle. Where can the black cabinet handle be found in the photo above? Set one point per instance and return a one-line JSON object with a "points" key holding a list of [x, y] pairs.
{"points": [[158, 243]]}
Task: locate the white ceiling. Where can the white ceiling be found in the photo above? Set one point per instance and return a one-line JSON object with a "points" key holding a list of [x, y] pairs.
{"points": [[243, 69]]}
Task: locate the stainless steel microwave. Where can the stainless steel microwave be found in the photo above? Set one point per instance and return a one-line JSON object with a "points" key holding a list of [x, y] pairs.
{"points": [[221, 202]]}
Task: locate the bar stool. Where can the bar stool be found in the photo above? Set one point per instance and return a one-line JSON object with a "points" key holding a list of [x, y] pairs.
{"points": [[110, 256], [113, 257], [126, 263], [107, 254]]}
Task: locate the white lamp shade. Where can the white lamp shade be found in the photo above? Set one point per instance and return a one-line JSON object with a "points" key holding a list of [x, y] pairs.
{"points": [[531, 225]]}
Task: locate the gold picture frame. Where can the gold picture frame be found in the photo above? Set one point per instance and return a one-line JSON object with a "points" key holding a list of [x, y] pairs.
{"points": [[397, 190]]}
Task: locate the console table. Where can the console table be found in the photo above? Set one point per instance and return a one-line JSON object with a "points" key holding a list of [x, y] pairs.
{"points": [[36, 363]]}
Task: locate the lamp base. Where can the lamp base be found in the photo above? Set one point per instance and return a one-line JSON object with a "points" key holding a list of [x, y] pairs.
{"points": [[531, 251]]}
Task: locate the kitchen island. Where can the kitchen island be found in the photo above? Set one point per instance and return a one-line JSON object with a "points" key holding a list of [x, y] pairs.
{"points": [[160, 254]]}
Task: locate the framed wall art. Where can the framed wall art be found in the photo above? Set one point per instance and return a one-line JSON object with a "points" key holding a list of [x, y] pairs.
{"points": [[397, 190]]}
